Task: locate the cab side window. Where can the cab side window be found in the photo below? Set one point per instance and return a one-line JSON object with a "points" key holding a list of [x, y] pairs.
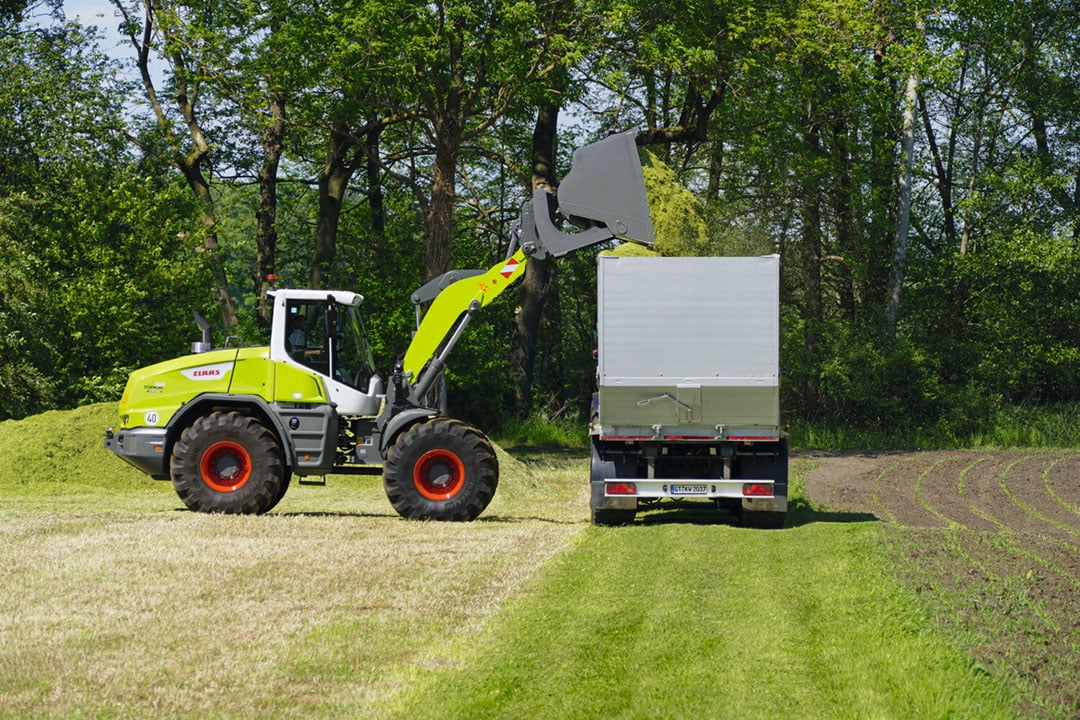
{"points": [[305, 334]]}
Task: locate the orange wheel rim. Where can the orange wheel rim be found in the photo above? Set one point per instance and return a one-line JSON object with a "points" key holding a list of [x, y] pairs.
{"points": [[439, 474], [225, 466]]}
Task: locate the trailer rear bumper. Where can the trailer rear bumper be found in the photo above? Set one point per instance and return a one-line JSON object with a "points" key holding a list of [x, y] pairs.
{"points": [[756, 494], [142, 447]]}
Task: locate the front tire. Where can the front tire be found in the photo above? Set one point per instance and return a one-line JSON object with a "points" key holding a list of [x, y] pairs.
{"points": [[440, 469], [228, 463]]}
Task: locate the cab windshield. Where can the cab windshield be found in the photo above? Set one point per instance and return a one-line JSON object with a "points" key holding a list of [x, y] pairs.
{"points": [[329, 338]]}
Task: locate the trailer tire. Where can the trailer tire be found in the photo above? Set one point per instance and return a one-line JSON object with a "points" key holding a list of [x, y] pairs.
{"points": [[226, 462], [440, 469]]}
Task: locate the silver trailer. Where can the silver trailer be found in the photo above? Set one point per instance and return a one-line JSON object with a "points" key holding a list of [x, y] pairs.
{"points": [[688, 377]]}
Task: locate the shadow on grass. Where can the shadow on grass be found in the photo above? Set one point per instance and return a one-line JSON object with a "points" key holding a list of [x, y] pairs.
{"points": [[502, 519], [509, 519], [668, 512], [800, 513], [333, 514]]}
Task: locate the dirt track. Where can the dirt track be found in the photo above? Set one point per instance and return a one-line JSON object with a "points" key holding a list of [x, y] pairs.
{"points": [[992, 541]]}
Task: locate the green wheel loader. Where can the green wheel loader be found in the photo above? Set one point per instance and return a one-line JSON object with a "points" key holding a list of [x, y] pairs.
{"points": [[230, 427]]}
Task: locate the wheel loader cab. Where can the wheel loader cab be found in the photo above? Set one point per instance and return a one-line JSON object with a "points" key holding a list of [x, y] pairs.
{"points": [[323, 332]]}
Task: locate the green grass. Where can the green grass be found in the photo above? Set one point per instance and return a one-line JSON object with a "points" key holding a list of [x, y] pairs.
{"points": [[685, 620], [1028, 426], [117, 603], [538, 431]]}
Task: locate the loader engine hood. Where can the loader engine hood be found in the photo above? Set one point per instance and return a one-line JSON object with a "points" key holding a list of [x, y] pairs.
{"points": [[155, 392]]}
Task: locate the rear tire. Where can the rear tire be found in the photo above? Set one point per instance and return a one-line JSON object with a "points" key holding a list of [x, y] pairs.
{"points": [[440, 469], [606, 467], [228, 463]]}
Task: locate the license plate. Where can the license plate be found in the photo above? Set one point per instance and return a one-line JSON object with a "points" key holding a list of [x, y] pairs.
{"points": [[688, 489]]}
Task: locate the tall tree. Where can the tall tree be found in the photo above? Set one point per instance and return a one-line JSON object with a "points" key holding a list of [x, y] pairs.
{"points": [[472, 60], [536, 283], [161, 31], [96, 275]]}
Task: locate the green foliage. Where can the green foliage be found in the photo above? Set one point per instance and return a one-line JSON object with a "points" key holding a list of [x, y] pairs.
{"points": [[539, 431], [783, 123]]}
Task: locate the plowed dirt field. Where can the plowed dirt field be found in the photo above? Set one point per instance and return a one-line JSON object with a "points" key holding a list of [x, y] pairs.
{"points": [[991, 541]]}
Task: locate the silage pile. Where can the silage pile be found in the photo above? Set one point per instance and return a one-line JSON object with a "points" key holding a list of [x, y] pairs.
{"points": [[678, 217]]}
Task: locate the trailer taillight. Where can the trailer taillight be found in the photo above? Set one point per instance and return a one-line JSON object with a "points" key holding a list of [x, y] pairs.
{"points": [[757, 490], [622, 488]]}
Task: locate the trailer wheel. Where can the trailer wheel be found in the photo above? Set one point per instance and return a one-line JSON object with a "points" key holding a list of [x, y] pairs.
{"points": [[605, 466], [228, 463], [441, 469]]}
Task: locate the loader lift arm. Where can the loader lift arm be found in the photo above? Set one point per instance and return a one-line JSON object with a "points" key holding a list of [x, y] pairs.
{"points": [[603, 195]]}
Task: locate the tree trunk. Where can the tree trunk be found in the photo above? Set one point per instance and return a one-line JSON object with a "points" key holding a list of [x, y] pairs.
{"points": [[882, 230], [201, 187], [942, 172], [375, 189], [536, 283], [189, 163], [716, 170], [810, 242], [439, 220], [841, 194], [273, 139], [333, 182], [896, 285]]}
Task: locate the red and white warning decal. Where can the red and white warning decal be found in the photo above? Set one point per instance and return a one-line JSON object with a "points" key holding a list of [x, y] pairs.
{"points": [[509, 268], [208, 372]]}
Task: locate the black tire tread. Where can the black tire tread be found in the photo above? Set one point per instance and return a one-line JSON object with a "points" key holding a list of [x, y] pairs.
{"points": [[472, 447], [269, 478]]}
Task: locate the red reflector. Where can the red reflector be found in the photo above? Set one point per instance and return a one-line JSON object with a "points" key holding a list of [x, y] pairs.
{"points": [[622, 488], [757, 489]]}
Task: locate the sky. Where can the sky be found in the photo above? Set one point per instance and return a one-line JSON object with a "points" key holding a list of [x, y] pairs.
{"points": [[102, 14]]}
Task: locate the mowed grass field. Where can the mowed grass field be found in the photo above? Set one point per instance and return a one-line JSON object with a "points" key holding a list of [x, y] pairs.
{"points": [[117, 602]]}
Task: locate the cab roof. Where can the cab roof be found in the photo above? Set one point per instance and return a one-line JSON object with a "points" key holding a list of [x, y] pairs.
{"points": [[344, 297]]}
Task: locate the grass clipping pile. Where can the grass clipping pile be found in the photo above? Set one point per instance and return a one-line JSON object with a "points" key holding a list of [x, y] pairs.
{"points": [[678, 217]]}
